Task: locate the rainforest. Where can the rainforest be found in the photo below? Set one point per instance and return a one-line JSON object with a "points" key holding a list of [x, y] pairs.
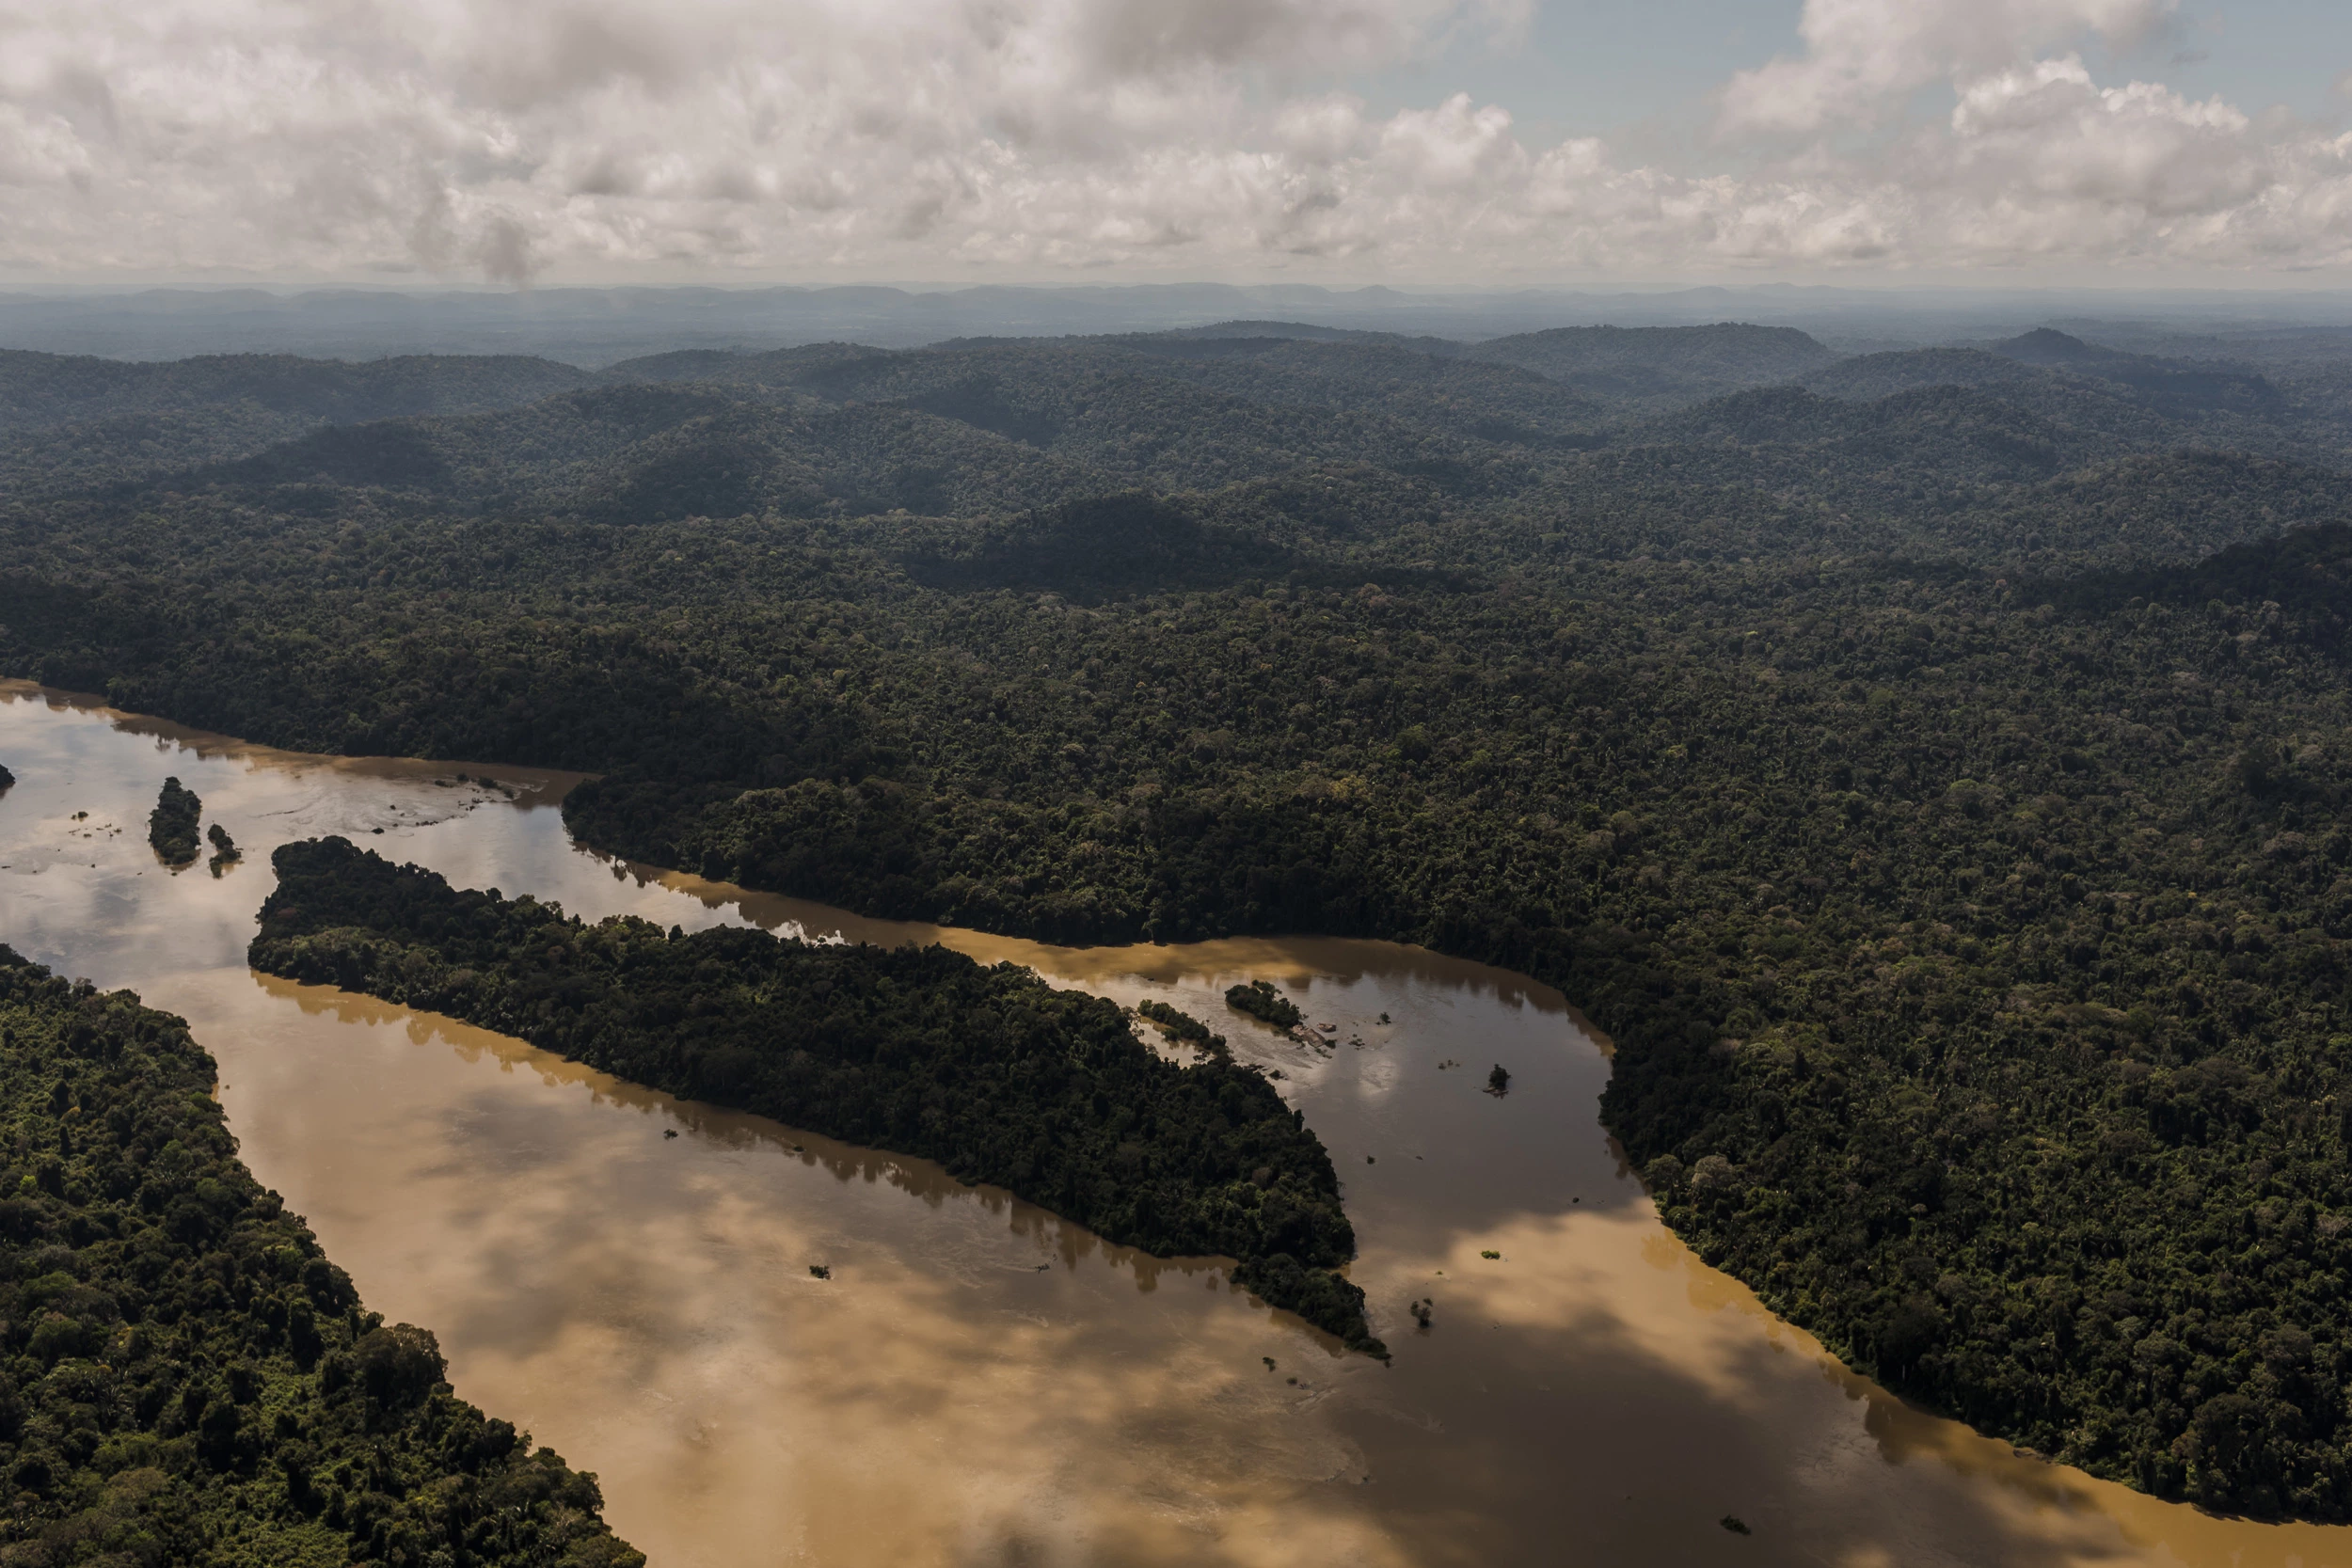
{"points": [[186, 1377], [1928, 766]]}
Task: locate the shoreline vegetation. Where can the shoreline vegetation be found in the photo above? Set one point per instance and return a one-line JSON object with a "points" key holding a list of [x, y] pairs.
{"points": [[989, 1071], [1929, 767], [1177, 1024], [184, 1376], [1976, 955]]}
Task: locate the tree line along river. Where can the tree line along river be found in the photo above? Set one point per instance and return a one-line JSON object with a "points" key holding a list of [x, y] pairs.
{"points": [[971, 1380]]}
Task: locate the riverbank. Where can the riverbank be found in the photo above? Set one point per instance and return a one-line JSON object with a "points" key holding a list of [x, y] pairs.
{"points": [[190, 1375], [644, 1303]]}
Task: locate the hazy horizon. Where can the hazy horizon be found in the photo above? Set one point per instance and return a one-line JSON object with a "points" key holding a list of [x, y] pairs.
{"points": [[593, 327]]}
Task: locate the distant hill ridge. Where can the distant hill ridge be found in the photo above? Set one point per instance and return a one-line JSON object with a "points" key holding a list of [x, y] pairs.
{"points": [[1702, 423], [1662, 361], [42, 392]]}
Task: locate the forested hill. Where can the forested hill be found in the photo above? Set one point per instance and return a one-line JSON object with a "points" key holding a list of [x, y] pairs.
{"points": [[1662, 364], [67, 421], [989, 1071], [1936, 786], [41, 392], [183, 1377], [1593, 422]]}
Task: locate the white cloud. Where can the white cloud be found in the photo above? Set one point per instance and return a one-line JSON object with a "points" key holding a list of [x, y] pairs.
{"points": [[508, 138], [1863, 57], [2045, 130]]}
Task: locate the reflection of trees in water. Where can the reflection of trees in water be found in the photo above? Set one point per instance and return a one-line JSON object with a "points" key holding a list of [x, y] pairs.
{"points": [[1671, 1401]]}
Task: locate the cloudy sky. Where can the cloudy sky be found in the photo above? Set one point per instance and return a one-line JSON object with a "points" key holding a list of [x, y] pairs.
{"points": [[1509, 142]]}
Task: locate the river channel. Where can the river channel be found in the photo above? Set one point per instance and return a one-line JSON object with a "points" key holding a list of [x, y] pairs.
{"points": [[978, 1383]]}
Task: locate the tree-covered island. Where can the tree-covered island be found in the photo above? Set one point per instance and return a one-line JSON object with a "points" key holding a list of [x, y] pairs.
{"points": [[987, 1069], [171, 826]]}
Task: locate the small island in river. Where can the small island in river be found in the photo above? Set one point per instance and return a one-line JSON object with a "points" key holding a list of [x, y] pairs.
{"points": [[987, 1069], [171, 826], [1259, 1000]]}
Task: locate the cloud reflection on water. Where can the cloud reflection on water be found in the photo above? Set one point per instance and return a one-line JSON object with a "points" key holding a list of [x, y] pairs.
{"points": [[644, 1303]]}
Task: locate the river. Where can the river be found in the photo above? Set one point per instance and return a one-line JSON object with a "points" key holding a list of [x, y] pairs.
{"points": [[978, 1383]]}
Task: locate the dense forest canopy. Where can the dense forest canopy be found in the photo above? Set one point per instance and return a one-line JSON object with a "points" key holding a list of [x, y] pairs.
{"points": [[987, 1069], [1661, 364], [1931, 767], [43, 391], [183, 1377]]}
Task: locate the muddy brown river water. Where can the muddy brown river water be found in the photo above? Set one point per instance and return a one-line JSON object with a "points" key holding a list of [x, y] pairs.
{"points": [[978, 1383]]}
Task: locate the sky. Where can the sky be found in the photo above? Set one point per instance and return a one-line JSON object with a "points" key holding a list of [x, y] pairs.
{"points": [[1487, 143]]}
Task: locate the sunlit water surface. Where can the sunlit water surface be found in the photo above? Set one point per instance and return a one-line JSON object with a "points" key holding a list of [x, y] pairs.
{"points": [[978, 1383]]}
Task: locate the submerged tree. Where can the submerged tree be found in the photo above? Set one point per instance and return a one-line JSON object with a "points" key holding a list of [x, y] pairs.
{"points": [[225, 851]]}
